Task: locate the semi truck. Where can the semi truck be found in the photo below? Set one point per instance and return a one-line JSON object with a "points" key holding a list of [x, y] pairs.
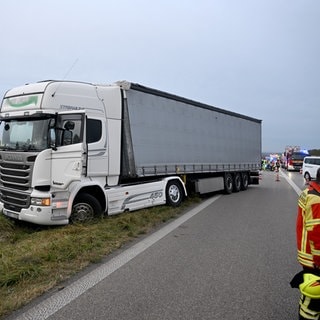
{"points": [[71, 151]]}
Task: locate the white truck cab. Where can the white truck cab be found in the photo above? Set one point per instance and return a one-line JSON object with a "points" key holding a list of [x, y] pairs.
{"points": [[60, 153]]}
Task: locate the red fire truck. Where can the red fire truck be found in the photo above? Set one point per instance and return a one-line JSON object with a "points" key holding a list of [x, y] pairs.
{"points": [[293, 158]]}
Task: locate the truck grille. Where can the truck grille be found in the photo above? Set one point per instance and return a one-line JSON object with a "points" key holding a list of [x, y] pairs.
{"points": [[15, 182]]}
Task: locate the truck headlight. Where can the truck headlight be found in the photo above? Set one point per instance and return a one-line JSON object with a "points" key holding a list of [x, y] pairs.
{"points": [[41, 201]]}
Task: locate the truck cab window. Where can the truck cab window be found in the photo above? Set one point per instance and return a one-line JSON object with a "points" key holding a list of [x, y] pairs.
{"points": [[94, 130], [69, 130]]}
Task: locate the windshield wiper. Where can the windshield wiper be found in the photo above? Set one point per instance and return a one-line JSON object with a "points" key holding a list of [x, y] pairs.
{"points": [[6, 148], [27, 147]]}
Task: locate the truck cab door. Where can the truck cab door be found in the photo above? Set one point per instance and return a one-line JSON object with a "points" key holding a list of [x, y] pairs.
{"points": [[96, 139], [68, 154]]}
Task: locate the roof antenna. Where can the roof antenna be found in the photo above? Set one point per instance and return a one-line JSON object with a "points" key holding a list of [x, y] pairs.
{"points": [[66, 74], [70, 69]]}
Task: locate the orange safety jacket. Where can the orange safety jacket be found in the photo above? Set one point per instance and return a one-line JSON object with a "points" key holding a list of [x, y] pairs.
{"points": [[308, 226]]}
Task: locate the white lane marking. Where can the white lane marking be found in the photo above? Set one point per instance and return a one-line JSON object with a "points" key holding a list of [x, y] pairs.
{"points": [[292, 184], [60, 299]]}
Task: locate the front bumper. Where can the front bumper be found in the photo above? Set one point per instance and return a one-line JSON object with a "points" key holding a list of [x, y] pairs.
{"points": [[36, 215]]}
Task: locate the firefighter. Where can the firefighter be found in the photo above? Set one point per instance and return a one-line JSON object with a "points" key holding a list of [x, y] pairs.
{"points": [[278, 165], [308, 249]]}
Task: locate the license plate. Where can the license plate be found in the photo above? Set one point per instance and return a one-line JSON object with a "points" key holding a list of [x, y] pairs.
{"points": [[10, 214]]}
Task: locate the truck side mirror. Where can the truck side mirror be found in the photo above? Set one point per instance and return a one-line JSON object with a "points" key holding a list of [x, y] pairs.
{"points": [[52, 139]]}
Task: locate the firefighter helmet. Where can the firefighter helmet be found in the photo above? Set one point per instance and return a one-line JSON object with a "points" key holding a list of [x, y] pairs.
{"points": [[310, 286]]}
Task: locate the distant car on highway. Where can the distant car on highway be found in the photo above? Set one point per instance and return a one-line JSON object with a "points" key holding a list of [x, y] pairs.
{"points": [[310, 166]]}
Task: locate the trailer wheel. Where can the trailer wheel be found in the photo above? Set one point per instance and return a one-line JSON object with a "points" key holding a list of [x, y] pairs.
{"points": [[174, 193], [245, 181], [228, 183], [85, 208], [237, 182]]}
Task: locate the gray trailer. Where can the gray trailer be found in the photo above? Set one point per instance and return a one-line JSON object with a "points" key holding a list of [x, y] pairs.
{"points": [[164, 134]]}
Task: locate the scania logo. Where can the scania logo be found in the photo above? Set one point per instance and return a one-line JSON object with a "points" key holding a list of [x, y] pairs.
{"points": [[13, 157]]}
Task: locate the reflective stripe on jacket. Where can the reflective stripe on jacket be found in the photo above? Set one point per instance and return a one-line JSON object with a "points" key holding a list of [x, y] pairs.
{"points": [[308, 226]]}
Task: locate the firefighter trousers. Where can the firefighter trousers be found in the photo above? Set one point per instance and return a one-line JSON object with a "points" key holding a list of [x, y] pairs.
{"points": [[309, 309]]}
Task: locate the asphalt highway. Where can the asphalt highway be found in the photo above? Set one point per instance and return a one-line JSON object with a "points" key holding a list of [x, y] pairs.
{"points": [[230, 258]]}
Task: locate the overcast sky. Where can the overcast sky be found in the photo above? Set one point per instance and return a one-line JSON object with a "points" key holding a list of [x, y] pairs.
{"points": [[260, 58]]}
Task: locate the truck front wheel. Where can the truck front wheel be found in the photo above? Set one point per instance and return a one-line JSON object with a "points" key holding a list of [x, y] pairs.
{"points": [[173, 193], [85, 208]]}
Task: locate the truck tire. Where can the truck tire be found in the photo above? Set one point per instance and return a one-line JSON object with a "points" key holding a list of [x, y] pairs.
{"points": [[244, 181], [174, 193], [237, 182], [85, 208], [307, 176], [228, 183]]}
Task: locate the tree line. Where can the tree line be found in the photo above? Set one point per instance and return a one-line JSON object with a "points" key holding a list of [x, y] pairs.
{"points": [[314, 152]]}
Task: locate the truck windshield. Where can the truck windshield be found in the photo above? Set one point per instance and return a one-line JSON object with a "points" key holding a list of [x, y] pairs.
{"points": [[299, 156], [24, 135]]}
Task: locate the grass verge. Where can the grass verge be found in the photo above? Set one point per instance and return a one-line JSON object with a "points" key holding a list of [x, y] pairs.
{"points": [[35, 259]]}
